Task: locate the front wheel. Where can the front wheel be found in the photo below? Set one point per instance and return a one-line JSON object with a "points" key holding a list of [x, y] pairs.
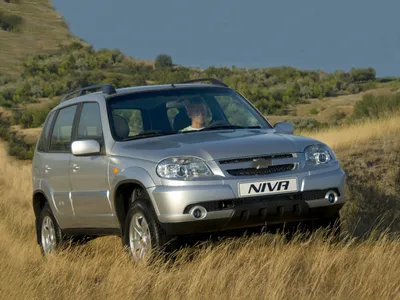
{"points": [[143, 236], [50, 236]]}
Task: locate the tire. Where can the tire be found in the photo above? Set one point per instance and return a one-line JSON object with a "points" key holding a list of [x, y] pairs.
{"points": [[143, 235], [50, 235]]}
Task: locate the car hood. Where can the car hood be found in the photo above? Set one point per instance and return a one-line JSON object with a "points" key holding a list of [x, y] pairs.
{"points": [[212, 145]]}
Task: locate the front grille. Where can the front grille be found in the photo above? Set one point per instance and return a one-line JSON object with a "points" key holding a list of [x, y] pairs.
{"points": [[263, 171], [247, 159]]}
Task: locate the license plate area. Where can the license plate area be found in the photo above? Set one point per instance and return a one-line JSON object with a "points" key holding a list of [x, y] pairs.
{"points": [[268, 187]]}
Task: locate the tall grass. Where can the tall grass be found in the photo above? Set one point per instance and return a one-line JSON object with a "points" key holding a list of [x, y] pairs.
{"points": [[349, 136]]}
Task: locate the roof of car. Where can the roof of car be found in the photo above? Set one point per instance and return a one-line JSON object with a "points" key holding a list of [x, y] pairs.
{"points": [[109, 91], [160, 87]]}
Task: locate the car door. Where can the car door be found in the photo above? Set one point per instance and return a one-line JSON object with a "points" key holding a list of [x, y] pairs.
{"points": [[56, 161], [88, 174]]}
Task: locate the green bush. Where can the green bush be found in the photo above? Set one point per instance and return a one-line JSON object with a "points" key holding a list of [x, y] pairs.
{"points": [[362, 75], [305, 124], [9, 22], [371, 106], [314, 111], [18, 148], [163, 61]]}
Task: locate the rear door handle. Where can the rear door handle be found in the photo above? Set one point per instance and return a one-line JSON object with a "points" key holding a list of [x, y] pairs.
{"points": [[75, 167], [47, 168]]}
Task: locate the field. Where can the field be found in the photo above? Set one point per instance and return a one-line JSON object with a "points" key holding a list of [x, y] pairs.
{"points": [[262, 267]]}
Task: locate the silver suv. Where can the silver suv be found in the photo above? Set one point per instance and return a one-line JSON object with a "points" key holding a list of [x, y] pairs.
{"points": [[156, 164]]}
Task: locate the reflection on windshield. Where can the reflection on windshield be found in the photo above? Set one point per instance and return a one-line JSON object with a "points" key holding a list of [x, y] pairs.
{"points": [[147, 114]]}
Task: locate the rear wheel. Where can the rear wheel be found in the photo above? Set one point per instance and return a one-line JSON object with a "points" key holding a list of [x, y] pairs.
{"points": [[143, 235]]}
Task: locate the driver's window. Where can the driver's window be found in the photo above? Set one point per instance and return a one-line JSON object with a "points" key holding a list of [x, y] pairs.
{"points": [[235, 112]]}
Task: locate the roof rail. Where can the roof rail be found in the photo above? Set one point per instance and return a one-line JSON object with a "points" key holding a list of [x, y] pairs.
{"points": [[107, 89], [213, 80]]}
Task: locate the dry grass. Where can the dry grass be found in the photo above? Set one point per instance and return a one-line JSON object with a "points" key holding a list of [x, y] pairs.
{"points": [[263, 267], [348, 136]]}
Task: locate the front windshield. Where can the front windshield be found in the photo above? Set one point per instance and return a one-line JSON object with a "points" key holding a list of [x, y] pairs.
{"points": [[180, 110]]}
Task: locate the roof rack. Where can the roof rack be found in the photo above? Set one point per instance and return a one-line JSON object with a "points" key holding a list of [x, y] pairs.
{"points": [[107, 89], [213, 80]]}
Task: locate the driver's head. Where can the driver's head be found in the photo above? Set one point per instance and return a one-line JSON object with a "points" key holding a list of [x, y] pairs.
{"points": [[196, 109]]}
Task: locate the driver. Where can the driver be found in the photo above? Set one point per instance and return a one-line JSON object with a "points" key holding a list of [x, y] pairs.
{"points": [[197, 112]]}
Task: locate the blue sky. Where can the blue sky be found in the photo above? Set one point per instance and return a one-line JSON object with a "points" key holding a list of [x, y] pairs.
{"points": [[309, 34]]}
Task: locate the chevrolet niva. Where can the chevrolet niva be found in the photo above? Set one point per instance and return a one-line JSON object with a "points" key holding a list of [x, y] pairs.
{"points": [[153, 163]]}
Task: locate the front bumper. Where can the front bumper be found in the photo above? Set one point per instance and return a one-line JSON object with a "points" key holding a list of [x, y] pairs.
{"points": [[227, 210]]}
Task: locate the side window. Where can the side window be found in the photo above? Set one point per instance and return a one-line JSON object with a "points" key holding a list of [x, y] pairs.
{"points": [[90, 123], [44, 136], [62, 131]]}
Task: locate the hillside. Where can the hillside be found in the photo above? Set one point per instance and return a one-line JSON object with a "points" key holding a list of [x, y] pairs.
{"points": [[46, 62], [329, 108], [38, 29], [260, 267]]}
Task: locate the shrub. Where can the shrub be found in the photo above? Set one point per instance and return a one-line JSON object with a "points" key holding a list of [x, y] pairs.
{"points": [[163, 61], [305, 124], [371, 106], [9, 22], [361, 75], [314, 111], [18, 148]]}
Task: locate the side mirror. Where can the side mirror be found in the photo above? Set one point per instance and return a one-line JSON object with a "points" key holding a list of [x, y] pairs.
{"points": [[284, 127], [86, 147]]}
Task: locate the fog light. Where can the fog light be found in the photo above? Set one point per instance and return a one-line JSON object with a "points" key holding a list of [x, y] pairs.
{"points": [[331, 196], [199, 212]]}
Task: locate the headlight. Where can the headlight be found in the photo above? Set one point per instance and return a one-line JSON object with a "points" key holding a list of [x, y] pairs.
{"points": [[319, 154], [183, 168]]}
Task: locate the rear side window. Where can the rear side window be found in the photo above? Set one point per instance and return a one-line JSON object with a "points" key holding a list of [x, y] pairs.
{"points": [[62, 131], [44, 137], [90, 123]]}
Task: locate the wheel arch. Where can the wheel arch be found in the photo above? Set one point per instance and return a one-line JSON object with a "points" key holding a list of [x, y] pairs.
{"points": [[122, 198], [39, 200]]}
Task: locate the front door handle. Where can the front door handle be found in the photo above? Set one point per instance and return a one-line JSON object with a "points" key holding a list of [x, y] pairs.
{"points": [[47, 168], [75, 167]]}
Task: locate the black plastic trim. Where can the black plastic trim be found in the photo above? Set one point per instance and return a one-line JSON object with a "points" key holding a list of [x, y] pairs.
{"points": [[269, 214], [91, 231], [107, 89], [218, 205]]}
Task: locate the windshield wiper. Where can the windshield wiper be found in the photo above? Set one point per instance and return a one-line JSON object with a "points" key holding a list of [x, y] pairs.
{"points": [[150, 133]]}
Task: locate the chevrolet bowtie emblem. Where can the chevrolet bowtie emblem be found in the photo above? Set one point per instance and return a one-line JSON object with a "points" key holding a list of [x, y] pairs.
{"points": [[262, 163]]}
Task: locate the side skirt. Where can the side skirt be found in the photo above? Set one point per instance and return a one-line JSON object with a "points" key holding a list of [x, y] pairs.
{"points": [[92, 231]]}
